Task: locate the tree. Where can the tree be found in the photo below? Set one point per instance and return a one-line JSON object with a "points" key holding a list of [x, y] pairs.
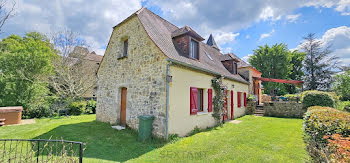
{"points": [[297, 73], [25, 65], [72, 77], [272, 62], [342, 85], [318, 65], [5, 14]]}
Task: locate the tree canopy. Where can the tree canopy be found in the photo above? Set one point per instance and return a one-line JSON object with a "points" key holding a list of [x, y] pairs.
{"points": [[318, 65], [25, 65], [279, 63]]}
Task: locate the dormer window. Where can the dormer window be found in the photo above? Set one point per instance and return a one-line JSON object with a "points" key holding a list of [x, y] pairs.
{"points": [[125, 48], [194, 49], [234, 68]]}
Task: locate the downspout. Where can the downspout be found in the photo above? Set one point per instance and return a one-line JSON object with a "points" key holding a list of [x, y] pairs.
{"points": [[168, 80]]}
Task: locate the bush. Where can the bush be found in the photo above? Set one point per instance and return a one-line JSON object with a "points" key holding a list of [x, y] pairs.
{"points": [[292, 97], [320, 122], [77, 108], [317, 98], [339, 148], [91, 106], [39, 112]]}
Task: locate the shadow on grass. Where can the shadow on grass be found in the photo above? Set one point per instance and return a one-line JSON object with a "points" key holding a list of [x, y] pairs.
{"points": [[103, 142]]}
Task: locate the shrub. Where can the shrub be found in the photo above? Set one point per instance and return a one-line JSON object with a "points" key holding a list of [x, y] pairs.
{"points": [[38, 112], [338, 148], [91, 106], [292, 97], [77, 108], [320, 122], [317, 98]]}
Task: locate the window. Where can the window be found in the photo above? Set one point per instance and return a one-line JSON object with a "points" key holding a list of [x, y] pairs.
{"points": [[239, 99], [209, 56], [125, 48], [194, 49], [234, 68], [200, 100], [196, 100]]}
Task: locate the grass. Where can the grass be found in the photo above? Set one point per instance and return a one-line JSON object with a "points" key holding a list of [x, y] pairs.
{"points": [[255, 139]]}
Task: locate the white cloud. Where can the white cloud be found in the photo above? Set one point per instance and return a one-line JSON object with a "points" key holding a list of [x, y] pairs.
{"points": [[246, 58], [293, 18], [339, 39], [206, 16], [223, 38], [266, 35], [93, 20], [247, 37]]}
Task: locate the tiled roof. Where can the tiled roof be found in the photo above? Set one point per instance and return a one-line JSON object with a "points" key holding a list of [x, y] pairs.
{"points": [[186, 30], [93, 57], [241, 63], [160, 31]]}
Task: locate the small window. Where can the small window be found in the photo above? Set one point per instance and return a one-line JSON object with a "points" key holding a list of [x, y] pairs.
{"points": [[234, 68], [125, 49], [200, 100], [209, 56], [194, 49]]}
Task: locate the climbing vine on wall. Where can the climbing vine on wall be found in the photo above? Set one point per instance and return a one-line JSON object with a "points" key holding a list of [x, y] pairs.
{"points": [[219, 99]]}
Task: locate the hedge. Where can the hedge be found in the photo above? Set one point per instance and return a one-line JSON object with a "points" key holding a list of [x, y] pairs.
{"points": [[320, 126], [317, 98]]}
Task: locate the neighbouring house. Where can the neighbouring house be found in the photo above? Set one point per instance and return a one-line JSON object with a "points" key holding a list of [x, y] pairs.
{"points": [[88, 65], [152, 67], [252, 75]]}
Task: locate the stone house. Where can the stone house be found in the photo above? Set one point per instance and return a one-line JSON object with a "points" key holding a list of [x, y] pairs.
{"points": [[88, 63], [152, 67]]}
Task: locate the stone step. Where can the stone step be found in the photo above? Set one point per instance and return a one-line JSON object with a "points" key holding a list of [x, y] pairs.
{"points": [[259, 111], [259, 115]]}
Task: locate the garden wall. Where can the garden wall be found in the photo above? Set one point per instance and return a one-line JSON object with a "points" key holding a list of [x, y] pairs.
{"points": [[284, 109]]}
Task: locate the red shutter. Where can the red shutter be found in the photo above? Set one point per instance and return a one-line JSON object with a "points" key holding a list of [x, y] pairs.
{"points": [[210, 100], [193, 100], [232, 111], [239, 99], [245, 99]]}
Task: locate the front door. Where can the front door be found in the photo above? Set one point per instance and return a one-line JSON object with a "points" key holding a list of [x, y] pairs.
{"points": [[123, 107]]}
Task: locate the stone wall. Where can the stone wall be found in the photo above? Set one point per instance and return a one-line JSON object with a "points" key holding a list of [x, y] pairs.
{"points": [[284, 109], [142, 72]]}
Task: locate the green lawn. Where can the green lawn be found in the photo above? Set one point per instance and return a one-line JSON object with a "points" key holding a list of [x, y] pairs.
{"points": [[255, 139]]}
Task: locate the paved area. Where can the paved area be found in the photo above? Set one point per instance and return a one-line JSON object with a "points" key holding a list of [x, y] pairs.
{"points": [[235, 121], [24, 122]]}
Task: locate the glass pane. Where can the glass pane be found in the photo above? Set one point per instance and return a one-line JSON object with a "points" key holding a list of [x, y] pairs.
{"points": [[125, 52], [199, 101], [194, 49]]}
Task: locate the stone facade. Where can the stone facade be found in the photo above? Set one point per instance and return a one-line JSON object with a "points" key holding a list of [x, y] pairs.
{"points": [[284, 109], [142, 72]]}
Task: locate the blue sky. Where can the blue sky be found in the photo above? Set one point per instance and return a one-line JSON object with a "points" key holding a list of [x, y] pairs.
{"points": [[238, 26]]}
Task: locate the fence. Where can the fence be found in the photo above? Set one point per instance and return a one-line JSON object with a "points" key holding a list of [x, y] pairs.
{"points": [[40, 150]]}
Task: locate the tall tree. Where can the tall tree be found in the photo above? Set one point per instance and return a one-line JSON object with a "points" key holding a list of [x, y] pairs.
{"points": [[318, 65], [297, 73], [342, 85], [72, 77], [273, 62], [25, 65], [5, 13]]}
